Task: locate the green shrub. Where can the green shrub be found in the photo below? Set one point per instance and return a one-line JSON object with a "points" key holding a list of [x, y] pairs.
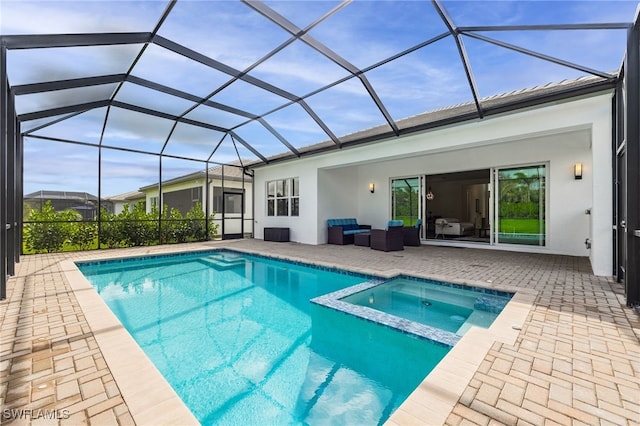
{"points": [[83, 235], [51, 231], [48, 230], [110, 234]]}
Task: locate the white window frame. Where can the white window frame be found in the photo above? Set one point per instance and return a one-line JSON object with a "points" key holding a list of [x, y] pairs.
{"points": [[291, 192]]}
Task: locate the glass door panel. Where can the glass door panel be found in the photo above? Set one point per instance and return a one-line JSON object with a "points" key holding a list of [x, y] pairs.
{"points": [[521, 206], [405, 200]]}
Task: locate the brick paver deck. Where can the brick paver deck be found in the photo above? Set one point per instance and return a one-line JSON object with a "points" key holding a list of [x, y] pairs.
{"points": [[575, 361]]}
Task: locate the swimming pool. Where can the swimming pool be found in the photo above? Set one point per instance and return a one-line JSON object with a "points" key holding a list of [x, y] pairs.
{"points": [[237, 338]]}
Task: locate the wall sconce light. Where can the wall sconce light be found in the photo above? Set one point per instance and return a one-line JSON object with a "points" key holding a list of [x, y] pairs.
{"points": [[577, 171], [372, 187], [430, 195]]}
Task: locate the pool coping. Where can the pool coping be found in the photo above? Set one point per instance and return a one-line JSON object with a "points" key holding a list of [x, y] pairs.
{"points": [[149, 397], [144, 389]]}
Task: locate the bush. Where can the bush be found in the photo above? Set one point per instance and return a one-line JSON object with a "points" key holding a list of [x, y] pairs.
{"points": [[52, 231], [48, 230], [83, 235]]}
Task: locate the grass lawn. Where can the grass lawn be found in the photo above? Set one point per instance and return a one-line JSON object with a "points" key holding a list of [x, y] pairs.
{"points": [[408, 220], [522, 226]]}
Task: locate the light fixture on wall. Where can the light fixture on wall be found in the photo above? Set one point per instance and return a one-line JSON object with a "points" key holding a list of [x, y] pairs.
{"points": [[577, 171], [372, 187], [430, 195]]}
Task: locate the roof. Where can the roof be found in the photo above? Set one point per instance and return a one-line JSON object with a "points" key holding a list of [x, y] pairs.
{"points": [[60, 195], [528, 97], [228, 172], [127, 196]]}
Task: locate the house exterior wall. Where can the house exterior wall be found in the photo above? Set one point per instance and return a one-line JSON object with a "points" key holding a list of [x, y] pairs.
{"points": [[559, 134], [118, 205], [233, 225], [303, 228], [150, 193]]}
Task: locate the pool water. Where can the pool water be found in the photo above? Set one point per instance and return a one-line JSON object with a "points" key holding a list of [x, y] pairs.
{"points": [[237, 338], [452, 308]]}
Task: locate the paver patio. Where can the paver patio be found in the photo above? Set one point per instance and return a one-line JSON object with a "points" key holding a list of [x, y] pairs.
{"points": [[576, 359]]}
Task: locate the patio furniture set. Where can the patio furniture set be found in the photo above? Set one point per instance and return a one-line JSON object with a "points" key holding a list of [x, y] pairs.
{"points": [[394, 237]]}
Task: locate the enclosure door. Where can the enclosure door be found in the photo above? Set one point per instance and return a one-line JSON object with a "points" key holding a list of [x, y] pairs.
{"points": [[406, 200], [520, 205], [621, 226], [232, 215]]}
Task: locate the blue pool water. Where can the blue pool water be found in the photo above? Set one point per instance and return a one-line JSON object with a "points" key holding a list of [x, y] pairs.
{"points": [[453, 308], [237, 338]]}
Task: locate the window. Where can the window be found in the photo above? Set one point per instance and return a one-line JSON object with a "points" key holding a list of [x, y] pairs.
{"points": [[283, 197], [184, 199]]}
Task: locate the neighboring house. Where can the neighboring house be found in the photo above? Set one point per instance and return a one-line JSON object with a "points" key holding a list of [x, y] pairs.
{"points": [[84, 203], [230, 198], [511, 177], [119, 201]]}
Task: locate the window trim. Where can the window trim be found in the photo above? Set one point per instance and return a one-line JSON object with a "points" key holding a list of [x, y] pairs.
{"points": [[290, 185]]}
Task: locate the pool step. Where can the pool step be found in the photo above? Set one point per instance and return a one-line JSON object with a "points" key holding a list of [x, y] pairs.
{"points": [[223, 262]]}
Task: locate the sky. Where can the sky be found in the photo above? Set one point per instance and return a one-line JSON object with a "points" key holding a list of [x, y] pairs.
{"points": [[362, 33]]}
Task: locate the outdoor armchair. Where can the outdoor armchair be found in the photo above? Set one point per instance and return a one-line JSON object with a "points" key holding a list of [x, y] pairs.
{"points": [[412, 234], [390, 239]]}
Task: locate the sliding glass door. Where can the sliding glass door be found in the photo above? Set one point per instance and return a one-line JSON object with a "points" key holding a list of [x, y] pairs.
{"points": [[405, 200], [520, 205]]}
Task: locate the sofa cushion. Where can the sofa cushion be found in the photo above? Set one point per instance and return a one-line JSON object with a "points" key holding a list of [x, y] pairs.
{"points": [[351, 222]]}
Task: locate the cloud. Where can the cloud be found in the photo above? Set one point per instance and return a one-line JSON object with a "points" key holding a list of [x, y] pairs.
{"points": [[363, 32], [65, 17]]}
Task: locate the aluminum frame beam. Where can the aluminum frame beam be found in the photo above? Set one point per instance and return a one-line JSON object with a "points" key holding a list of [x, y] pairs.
{"points": [[236, 74], [45, 41], [306, 38], [549, 27], [10, 177], [632, 140], [83, 107], [248, 146], [5, 203], [462, 52], [50, 86], [539, 55], [111, 147]]}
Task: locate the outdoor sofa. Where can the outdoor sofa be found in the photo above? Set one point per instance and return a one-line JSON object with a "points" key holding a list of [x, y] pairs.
{"points": [[341, 231]]}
